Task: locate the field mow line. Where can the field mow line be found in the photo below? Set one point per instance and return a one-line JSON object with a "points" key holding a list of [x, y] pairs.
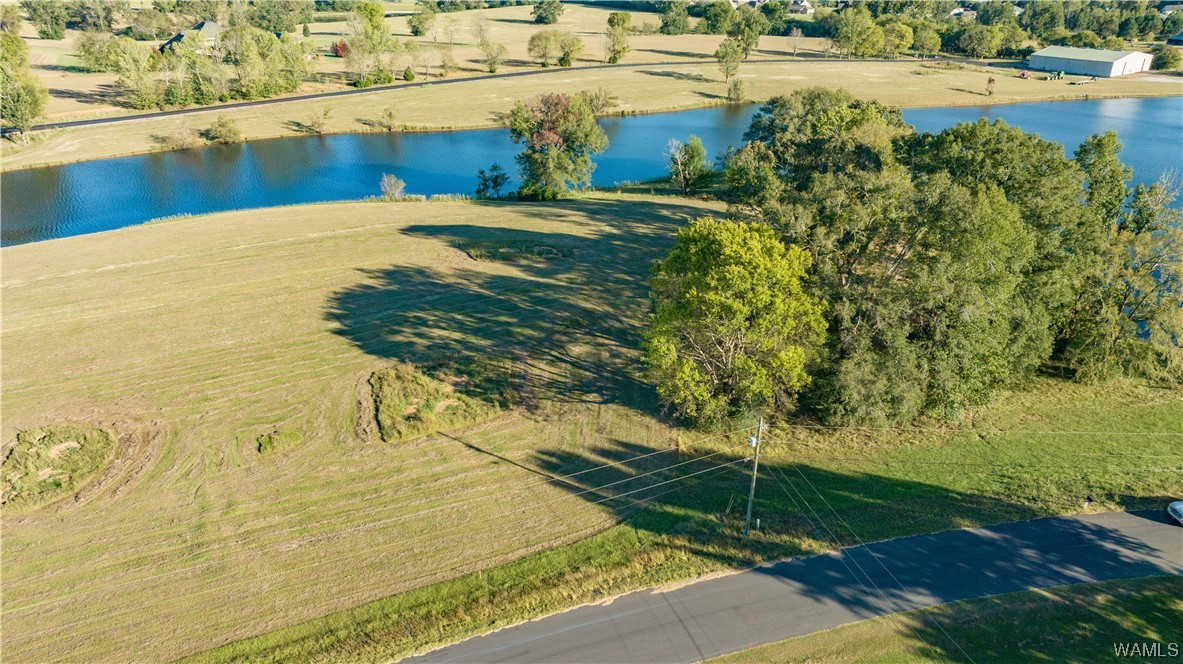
{"points": [[227, 347], [352, 600], [369, 526], [324, 561], [142, 559], [215, 250]]}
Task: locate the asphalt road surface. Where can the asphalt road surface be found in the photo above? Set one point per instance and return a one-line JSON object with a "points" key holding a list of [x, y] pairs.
{"points": [[730, 613]]}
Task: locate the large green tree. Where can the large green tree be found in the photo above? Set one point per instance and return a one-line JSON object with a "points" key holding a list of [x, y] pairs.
{"points": [[733, 326], [560, 135], [675, 17], [22, 96], [857, 34], [729, 55], [48, 16], [280, 15], [547, 11], [748, 26], [1129, 317], [717, 17], [951, 263]]}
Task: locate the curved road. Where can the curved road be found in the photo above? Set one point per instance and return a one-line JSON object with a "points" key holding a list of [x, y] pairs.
{"points": [[730, 613]]}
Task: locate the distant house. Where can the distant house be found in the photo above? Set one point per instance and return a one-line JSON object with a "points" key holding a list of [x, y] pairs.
{"points": [[1171, 9], [1176, 40], [962, 12], [203, 36], [1090, 61], [801, 7]]}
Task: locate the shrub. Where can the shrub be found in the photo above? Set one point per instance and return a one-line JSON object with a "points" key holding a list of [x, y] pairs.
{"points": [[52, 462], [224, 131], [278, 440], [388, 119], [1165, 57], [392, 186], [181, 139], [491, 182], [410, 403], [408, 74], [737, 91]]}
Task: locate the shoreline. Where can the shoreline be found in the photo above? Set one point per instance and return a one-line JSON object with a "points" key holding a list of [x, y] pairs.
{"points": [[491, 125], [491, 93]]}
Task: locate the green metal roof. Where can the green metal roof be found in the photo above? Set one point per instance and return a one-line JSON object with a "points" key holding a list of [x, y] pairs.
{"points": [[1090, 54]]}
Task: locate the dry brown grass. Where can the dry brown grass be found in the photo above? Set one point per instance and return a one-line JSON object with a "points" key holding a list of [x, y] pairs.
{"points": [[193, 338], [477, 103], [663, 77]]}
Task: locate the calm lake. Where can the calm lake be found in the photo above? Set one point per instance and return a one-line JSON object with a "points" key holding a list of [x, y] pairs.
{"points": [[74, 199]]}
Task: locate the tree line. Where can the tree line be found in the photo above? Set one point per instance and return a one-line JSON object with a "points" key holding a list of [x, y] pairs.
{"points": [[871, 274], [886, 28]]}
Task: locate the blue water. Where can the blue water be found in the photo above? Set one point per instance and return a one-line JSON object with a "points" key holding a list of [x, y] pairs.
{"points": [[88, 197]]}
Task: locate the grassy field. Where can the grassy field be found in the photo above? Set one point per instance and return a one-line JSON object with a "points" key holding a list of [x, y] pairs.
{"points": [[646, 88], [1078, 623], [202, 341], [77, 94], [661, 75], [191, 339]]}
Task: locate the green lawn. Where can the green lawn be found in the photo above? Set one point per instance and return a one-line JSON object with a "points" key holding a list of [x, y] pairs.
{"points": [[202, 340], [1077, 623]]}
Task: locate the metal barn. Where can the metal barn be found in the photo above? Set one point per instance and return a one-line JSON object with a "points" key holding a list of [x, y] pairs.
{"points": [[1090, 61]]}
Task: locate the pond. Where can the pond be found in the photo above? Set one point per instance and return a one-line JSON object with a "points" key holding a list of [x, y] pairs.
{"points": [[88, 197]]}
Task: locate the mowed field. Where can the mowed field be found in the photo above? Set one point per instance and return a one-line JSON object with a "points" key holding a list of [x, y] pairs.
{"points": [[190, 339], [77, 94]]}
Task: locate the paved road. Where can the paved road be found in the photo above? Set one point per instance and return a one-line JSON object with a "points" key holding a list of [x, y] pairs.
{"points": [[734, 612], [407, 86]]}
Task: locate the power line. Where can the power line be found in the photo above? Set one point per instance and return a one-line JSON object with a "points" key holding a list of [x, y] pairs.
{"points": [[876, 557], [977, 431], [397, 519], [366, 552], [703, 475], [280, 519], [841, 556], [1001, 464]]}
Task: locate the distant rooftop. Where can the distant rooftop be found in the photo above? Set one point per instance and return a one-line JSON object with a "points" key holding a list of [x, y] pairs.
{"points": [[1090, 54]]}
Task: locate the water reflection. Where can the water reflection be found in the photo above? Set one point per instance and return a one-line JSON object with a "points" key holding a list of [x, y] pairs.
{"points": [[74, 199]]}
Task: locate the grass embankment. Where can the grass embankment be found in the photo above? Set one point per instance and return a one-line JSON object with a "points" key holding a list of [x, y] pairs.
{"points": [[203, 335], [1078, 623], [640, 89]]}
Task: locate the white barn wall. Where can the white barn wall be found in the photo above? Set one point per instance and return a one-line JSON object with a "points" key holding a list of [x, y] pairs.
{"points": [[1129, 64], [1072, 66]]}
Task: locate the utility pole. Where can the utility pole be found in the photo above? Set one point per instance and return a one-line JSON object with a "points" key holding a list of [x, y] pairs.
{"points": [[755, 443]]}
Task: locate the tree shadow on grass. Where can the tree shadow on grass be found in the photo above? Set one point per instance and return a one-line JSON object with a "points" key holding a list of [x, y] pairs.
{"points": [[677, 54], [678, 75], [306, 128], [697, 505], [560, 312], [106, 94]]}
